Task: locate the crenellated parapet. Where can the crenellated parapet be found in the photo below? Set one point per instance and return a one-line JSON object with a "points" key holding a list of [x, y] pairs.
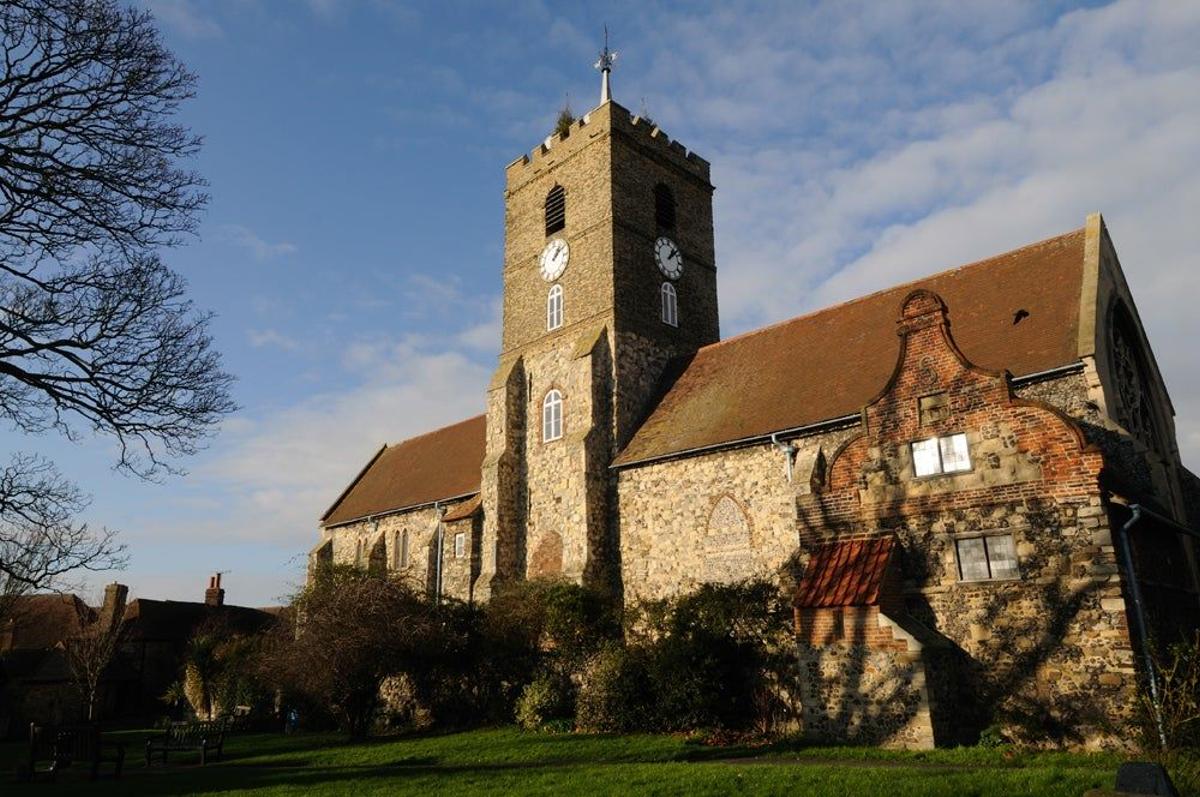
{"points": [[605, 120]]}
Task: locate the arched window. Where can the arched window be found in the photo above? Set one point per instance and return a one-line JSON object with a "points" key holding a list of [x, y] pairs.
{"points": [[556, 209], [400, 549], [670, 305], [1134, 386], [358, 552], [664, 207], [554, 308], [552, 420]]}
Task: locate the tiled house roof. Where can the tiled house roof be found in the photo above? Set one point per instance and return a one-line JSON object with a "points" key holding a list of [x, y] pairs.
{"points": [[846, 573], [1017, 311], [435, 466]]}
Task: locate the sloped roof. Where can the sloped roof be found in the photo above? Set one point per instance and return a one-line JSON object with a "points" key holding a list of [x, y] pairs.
{"points": [[166, 621], [42, 621], [432, 467], [830, 363], [846, 573], [464, 510]]}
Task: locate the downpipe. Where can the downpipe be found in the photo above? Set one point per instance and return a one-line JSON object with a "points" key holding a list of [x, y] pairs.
{"points": [[1139, 613], [789, 452]]}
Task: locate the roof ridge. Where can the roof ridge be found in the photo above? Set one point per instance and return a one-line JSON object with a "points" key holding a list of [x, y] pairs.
{"points": [[890, 288], [406, 440]]}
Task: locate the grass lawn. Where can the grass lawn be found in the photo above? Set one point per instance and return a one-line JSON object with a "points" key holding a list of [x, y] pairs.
{"points": [[507, 761]]}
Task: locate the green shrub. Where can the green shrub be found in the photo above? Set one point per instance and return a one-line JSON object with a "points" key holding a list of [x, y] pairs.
{"points": [[614, 696], [547, 700]]}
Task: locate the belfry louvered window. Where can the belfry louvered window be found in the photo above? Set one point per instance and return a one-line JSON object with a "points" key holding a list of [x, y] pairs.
{"points": [[554, 308], [556, 209], [552, 416], [664, 207], [670, 305]]}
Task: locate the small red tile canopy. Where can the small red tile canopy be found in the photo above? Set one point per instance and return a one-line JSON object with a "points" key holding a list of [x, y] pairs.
{"points": [[845, 573]]}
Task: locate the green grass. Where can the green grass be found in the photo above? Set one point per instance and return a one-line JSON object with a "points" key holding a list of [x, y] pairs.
{"points": [[507, 761]]}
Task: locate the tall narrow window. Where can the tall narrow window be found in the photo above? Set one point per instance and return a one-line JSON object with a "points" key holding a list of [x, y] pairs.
{"points": [[664, 207], [460, 545], [400, 549], [554, 308], [358, 552], [670, 305], [556, 209], [552, 420]]}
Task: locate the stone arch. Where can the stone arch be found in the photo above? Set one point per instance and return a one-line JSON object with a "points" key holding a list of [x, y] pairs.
{"points": [[728, 544]]}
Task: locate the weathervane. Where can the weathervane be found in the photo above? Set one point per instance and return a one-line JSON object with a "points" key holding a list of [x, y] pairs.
{"points": [[605, 65]]}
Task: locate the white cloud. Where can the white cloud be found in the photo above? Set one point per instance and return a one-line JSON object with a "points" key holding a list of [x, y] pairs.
{"points": [[246, 238], [854, 149], [273, 338], [183, 17]]}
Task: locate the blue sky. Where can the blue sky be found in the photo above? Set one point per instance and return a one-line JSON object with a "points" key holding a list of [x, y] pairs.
{"points": [[352, 248]]}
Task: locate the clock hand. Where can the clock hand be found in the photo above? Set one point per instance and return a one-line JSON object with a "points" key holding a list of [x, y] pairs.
{"points": [[674, 252]]}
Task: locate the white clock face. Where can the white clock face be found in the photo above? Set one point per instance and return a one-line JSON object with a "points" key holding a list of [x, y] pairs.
{"points": [[666, 254], [554, 259]]}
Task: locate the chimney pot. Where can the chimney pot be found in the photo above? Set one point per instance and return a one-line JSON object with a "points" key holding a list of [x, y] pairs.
{"points": [[214, 595]]}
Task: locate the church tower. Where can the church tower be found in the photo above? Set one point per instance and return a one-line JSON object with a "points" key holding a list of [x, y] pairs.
{"points": [[609, 273]]}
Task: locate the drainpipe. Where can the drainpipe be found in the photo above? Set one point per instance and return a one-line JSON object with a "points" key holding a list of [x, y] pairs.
{"points": [[1139, 613], [789, 452]]}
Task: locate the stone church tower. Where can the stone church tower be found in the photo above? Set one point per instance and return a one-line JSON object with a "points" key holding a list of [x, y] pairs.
{"points": [[609, 272]]}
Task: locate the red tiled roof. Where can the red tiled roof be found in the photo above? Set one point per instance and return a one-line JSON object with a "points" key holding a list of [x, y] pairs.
{"points": [[464, 510], [432, 467], [847, 573], [830, 363]]}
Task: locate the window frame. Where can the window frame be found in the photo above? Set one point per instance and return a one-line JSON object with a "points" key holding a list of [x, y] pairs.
{"points": [[941, 471], [983, 537], [669, 301], [460, 545], [552, 416], [554, 308]]}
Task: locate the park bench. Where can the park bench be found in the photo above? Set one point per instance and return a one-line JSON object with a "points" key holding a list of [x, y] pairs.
{"points": [[53, 748], [180, 736]]}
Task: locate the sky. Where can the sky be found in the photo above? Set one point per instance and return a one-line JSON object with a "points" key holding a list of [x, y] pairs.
{"points": [[352, 248]]}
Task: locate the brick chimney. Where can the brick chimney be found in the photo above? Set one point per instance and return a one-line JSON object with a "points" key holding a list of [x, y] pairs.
{"points": [[214, 595], [112, 611]]}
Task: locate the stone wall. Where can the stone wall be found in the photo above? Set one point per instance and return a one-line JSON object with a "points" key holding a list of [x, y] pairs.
{"points": [[378, 543]]}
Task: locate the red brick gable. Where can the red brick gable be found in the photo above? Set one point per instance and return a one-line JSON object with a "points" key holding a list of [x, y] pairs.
{"points": [[1019, 449], [1018, 312]]}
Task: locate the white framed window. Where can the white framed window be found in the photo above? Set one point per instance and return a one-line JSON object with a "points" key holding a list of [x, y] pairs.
{"points": [[554, 308], [988, 558], [670, 305], [460, 545], [941, 455], [552, 420]]}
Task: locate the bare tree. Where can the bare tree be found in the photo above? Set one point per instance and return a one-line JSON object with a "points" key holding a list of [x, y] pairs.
{"points": [[96, 335], [89, 654]]}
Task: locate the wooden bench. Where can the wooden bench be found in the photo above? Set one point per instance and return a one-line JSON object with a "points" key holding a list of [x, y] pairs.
{"points": [[53, 748], [180, 736]]}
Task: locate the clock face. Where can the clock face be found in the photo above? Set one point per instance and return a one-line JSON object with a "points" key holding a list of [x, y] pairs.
{"points": [[668, 257], [554, 259]]}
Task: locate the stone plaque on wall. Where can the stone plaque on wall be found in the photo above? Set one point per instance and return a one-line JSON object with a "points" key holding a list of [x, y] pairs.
{"points": [[727, 543]]}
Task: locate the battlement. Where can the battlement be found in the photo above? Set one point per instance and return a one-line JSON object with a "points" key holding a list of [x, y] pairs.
{"points": [[608, 118]]}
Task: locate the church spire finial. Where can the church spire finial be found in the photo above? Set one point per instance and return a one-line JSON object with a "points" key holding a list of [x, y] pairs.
{"points": [[605, 65]]}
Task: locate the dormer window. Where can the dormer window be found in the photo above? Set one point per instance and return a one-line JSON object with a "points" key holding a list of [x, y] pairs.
{"points": [[670, 305], [556, 210], [554, 308], [552, 420], [941, 455], [664, 207]]}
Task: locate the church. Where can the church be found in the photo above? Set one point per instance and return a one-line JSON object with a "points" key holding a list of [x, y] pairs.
{"points": [[970, 483]]}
